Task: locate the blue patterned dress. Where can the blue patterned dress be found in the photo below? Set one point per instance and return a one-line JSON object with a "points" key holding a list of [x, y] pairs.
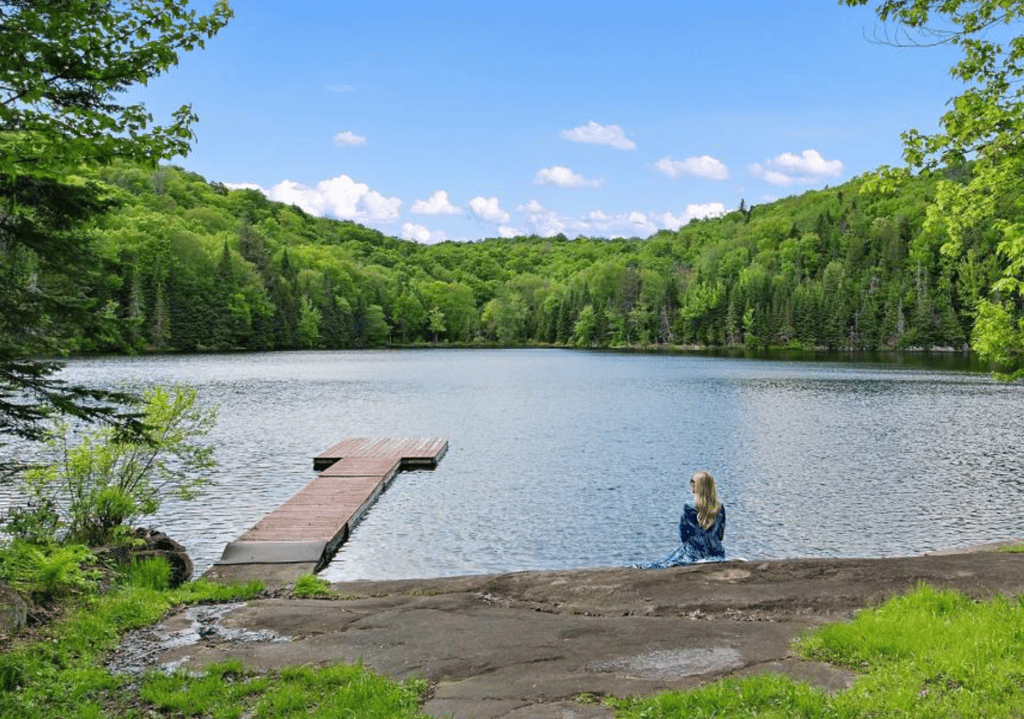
{"points": [[696, 544]]}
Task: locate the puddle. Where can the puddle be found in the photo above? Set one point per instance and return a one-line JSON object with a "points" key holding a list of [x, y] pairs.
{"points": [[141, 649], [671, 664]]}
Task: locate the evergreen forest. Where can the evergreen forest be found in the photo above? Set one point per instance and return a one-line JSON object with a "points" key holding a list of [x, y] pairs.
{"points": [[188, 265]]}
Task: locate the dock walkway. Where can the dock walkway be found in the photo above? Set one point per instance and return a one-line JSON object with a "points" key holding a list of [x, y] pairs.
{"points": [[307, 530]]}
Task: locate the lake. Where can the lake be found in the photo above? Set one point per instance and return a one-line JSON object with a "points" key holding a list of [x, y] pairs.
{"points": [[562, 459]]}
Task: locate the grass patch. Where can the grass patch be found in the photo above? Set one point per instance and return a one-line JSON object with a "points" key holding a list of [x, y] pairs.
{"points": [[762, 696], [927, 653], [1012, 548], [152, 573], [59, 671], [227, 691], [310, 586]]}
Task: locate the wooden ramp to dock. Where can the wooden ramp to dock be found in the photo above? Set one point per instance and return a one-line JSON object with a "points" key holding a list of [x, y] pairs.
{"points": [[310, 526]]}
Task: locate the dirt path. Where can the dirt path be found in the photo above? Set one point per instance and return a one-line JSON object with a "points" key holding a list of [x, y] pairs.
{"points": [[527, 645]]}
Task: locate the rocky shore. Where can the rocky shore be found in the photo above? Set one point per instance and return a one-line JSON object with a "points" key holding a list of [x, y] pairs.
{"points": [[533, 645]]}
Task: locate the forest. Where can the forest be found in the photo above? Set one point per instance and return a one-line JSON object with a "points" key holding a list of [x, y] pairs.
{"points": [[188, 265]]}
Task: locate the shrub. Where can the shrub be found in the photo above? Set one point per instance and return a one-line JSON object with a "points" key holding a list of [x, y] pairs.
{"points": [[104, 479], [46, 572]]}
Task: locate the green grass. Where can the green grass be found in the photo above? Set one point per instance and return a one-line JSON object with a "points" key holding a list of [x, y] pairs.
{"points": [[767, 696], [1012, 548], [929, 653], [60, 672], [152, 573], [228, 691], [310, 585]]}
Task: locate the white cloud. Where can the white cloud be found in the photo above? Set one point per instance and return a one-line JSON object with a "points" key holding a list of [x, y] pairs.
{"points": [[788, 169], [704, 166], [487, 208], [348, 139], [242, 186], [506, 231], [598, 223], [419, 233], [437, 204], [545, 222], [340, 197], [380, 207], [668, 221], [563, 177], [595, 133], [531, 207]]}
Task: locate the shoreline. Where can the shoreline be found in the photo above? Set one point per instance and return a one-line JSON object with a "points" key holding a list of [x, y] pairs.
{"points": [[278, 575]]}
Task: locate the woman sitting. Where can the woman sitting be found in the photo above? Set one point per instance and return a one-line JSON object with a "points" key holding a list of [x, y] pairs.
{"points": [[701, 528]]}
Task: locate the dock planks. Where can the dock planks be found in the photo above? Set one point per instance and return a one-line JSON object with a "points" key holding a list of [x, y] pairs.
{"points": [[310, 526]]}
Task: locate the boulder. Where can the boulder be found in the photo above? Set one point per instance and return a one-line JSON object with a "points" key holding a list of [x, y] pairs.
{"points": [[159, 544], [153, 544], [181, 564], [13, 610]]}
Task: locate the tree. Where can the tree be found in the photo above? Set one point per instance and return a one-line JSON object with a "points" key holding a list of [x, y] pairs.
{"points": [[309, 324], [437, 322], [63, 61], [505, 315], [62, 65], [980, 133]]}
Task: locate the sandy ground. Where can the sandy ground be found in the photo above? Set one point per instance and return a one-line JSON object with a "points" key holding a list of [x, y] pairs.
{"points": [[533, 645]]}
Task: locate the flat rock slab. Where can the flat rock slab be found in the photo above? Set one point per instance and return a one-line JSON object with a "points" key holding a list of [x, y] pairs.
{"points": [[527, 645]]}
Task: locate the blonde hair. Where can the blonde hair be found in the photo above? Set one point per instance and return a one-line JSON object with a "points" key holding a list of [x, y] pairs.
{"points": [[705, 498]]}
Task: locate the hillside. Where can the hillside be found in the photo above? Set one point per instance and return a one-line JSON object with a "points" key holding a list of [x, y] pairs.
{"points": [[189, 265]]}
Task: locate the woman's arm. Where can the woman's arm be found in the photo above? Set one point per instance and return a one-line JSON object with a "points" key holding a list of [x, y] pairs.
{"points": [[688, 523]]}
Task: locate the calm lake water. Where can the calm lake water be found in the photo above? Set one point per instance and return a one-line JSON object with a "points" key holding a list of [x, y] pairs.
{"points": [[562, 459]]}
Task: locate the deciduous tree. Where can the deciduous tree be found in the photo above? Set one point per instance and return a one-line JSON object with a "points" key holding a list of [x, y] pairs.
{"points": [[982, 132], [63, 66]]}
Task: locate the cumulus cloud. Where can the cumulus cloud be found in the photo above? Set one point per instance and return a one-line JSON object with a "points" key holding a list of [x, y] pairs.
{"points": [[598, 223], [545, 222], [788, 169], [563, 177], [348, 139], [436, 204], [419, 233], [340, 197], [698, 211], [705, 166], [487, 208], [242, 186], [597, 134]]}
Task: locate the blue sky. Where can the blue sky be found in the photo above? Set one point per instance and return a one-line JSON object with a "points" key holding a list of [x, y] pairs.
{"points": [[458, 121]]}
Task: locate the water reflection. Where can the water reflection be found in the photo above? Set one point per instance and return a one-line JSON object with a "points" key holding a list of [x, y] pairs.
{"points": [[575, 459]]}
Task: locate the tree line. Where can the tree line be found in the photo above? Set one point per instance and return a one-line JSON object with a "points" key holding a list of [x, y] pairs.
{"points": [[188, 265]]}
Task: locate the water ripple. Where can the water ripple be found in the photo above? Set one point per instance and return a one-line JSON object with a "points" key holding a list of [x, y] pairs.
{"points": [[564, 459]]}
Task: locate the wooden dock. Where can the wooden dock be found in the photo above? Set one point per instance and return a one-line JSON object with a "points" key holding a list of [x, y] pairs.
{"points": [[309, 527]]}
